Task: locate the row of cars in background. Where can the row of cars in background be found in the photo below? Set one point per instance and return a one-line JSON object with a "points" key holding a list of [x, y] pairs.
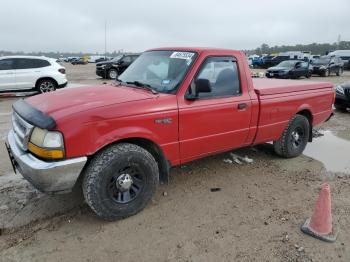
{"points": [[77, 60], [323, 66], [266, 61], [43, 74]]}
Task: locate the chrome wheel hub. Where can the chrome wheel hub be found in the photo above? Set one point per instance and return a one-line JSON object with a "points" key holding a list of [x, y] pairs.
{"points": [[47, 86], [296, 136], [124, 182]]}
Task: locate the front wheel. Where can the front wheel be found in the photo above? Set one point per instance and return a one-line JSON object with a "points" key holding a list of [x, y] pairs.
{"points": [[294, 138], [326, 73], [112, 74], [120, 181]]}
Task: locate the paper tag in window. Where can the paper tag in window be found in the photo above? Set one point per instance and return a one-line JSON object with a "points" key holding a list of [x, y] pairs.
{"points": [[182, 55]]}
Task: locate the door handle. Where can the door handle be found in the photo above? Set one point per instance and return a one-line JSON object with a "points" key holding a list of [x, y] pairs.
{"points": [[242, 106]]}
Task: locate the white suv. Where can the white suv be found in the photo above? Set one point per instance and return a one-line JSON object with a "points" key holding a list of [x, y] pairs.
{"points": [[31, 72]]}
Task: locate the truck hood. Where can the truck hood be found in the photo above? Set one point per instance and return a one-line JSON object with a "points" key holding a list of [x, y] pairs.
{"points": [[70, 101]]}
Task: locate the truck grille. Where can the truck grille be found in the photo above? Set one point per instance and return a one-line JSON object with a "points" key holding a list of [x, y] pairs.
{"points": [[22, 131]]}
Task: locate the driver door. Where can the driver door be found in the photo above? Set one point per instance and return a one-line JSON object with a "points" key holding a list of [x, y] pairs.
{"points": [[218, 120]]}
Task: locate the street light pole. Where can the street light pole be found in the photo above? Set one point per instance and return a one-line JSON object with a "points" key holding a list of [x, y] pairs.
{"points": [[106, 40]]}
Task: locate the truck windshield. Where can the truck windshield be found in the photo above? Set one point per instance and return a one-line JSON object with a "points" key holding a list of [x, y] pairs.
{"points": [[162, 71], [117, 58], [322, 61]]}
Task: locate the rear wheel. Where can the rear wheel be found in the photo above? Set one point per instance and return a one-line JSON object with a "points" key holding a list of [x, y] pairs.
{"points": [[339, 72], [294, 138], [46, 85], [120, 181]]}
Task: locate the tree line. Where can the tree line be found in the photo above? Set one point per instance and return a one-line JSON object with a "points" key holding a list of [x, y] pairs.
{"points": [[314, 48]]}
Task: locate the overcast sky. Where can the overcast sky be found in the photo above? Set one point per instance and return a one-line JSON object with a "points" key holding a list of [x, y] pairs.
{"points": [[78, 25]]}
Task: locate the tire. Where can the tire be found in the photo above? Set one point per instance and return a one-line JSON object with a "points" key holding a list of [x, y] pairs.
{"points": [[112, 74], [326, 73], [104, 177], [339, 72], [294, 138], [46, 85]]}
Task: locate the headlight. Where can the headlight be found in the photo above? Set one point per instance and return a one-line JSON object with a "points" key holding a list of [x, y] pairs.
{"points": [[339, 90], [46, 144]]}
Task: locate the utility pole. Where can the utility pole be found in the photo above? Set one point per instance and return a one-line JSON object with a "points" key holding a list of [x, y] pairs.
{"points": [[106, 40]]}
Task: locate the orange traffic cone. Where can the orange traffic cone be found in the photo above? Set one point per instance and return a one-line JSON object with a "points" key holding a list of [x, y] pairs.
{"points": [[320, 224]]}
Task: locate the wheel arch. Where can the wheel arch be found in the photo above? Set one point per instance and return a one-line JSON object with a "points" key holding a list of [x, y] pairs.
{"points": [[308, 114], [45, 78], [152, 147]]}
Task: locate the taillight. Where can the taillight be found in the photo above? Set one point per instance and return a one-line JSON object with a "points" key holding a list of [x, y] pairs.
{"points": [[62, 70]]}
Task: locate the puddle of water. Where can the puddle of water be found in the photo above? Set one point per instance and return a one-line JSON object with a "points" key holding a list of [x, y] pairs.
{"points": [[332, 149]]}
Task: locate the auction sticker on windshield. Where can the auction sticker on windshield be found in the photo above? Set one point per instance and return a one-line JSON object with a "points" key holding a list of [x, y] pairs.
{"points": [[182, 55]]}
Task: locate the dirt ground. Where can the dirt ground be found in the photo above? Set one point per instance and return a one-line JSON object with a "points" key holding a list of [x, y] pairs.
{"points": [[210, 211]]}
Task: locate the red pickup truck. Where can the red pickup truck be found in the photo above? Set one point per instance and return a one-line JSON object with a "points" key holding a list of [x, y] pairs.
{"points": [[171, 106]]}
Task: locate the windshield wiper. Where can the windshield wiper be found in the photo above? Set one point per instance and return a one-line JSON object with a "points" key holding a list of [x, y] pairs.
{"points": [[139, 84]]}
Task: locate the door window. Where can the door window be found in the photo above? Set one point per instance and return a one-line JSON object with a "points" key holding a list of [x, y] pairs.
{"points": [[304, 65], [223, 76], [26, 63], [6, 64]]}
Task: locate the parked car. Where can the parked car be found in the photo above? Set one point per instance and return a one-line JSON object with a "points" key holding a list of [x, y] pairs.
{"points": [[325, 66], [79, 61], [31, 72], [270, 61], [101, 59], [111, 69], [289, 69], [96, 58], [344, 56], [342, 96], [255, 61], [70, 59], [172, 106]]}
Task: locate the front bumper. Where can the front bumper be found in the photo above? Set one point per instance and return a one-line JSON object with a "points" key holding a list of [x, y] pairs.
{"points": [[277, 75], [318, 71], [49, 177], [342, 100], [101, 72]]}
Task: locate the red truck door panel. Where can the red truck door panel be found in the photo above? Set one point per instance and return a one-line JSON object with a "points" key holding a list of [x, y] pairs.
{"points": [[217, 120]]}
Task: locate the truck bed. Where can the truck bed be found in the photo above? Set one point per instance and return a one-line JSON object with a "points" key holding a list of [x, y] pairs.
{"points": [[263, 86]]}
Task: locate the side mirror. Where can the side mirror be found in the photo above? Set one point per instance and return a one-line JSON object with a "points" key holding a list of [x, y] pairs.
{"points": [[201, 86]]}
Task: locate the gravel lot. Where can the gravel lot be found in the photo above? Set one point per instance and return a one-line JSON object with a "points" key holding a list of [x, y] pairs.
{"points": [[254, 215]]}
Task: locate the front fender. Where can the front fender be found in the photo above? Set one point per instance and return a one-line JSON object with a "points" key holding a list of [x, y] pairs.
{"points": [[100, 141]]}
